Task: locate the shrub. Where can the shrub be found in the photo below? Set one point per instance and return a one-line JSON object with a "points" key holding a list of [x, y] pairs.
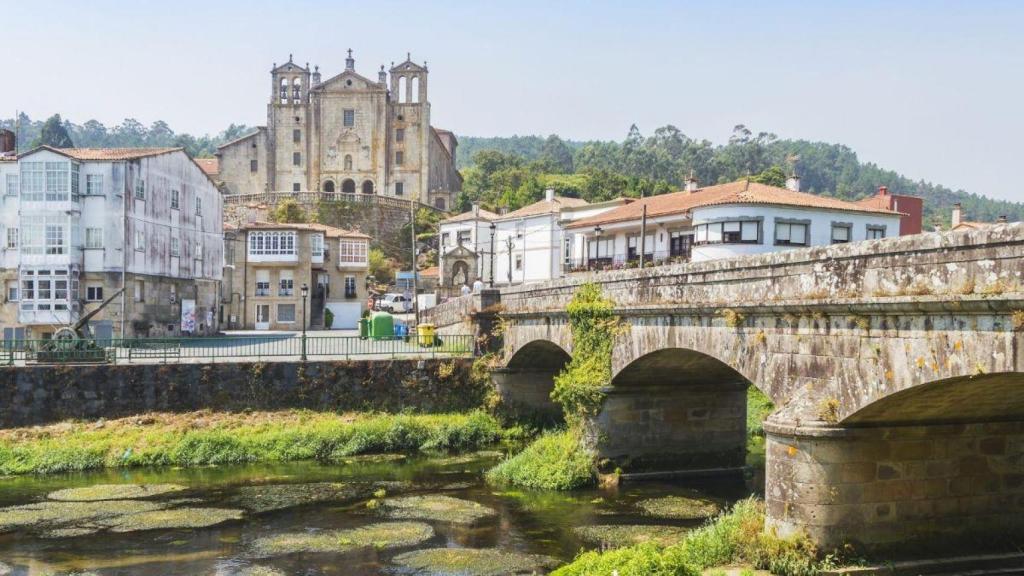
{"points": [[593, 324], [555, 461]]}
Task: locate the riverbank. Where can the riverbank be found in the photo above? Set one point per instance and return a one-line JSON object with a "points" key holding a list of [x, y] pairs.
{"points": [[207, 438]]}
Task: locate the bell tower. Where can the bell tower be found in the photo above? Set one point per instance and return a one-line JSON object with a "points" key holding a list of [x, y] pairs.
{"points": [[288, 127]]}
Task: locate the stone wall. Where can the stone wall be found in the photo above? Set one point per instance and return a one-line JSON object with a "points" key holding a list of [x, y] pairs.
{"points": [[889, 485], [42, 394]]}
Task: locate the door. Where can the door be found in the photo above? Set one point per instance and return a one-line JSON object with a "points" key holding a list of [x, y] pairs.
{"points": [[263, 316]]}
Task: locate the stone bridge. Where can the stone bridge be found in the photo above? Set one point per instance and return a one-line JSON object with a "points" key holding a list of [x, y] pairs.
{"points": [[896, 368]]}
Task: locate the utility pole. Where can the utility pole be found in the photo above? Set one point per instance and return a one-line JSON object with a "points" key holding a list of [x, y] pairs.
{"points": [[510, 244], [493, 227], [415, 284], [643, 236]]}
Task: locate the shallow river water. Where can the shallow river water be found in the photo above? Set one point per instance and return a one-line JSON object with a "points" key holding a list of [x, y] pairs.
{"points": [[530, 522]]}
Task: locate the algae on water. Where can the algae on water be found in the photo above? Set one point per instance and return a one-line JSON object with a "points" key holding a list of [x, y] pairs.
{"points": [[616, 535], [49, 516], [266, 498], [381, 536], [474, 562], [113, 492], [679, 507], [436, 507], [176, 518]]}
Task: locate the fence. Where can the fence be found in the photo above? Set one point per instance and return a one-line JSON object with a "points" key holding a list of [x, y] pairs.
{"points": [[271, 347], [622, 261]]}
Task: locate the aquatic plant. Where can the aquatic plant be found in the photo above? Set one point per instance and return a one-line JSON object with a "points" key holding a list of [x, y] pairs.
{"points": [[262, 498], [113, 492], [173, 518], [679, 507], [734, 537], [381, 536], [436, 507], [53, 515], [618, 535], [554, 461], [474, 562]]}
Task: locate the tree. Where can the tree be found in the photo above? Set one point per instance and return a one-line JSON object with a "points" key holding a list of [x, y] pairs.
{"points": [[556, 156], [289, 211], [381, 267], [773, 176], [53, 133]]}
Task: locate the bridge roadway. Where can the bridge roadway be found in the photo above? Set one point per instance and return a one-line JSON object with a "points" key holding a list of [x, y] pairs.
{"points": [[896, 367]]}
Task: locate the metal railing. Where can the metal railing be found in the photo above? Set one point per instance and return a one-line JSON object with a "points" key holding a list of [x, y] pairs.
{"points": [[239, 348], [621, 261]]}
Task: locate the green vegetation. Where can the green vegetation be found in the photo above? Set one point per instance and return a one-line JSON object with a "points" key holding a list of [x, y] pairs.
{"points": [[113, 492], [515, 171], [289, 211], [737, 537], [381, 536], [206, 438], [174, 518], [618, 535], [759, 407], [475, 561], [437, 508], [269, 497], [555, 461], [679, 507]]}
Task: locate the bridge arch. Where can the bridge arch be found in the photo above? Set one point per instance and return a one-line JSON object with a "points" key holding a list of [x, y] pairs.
{"points": [[526, 381]]}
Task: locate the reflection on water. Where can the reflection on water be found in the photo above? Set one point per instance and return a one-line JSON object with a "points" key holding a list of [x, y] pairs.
{"points": [[531, 522]]}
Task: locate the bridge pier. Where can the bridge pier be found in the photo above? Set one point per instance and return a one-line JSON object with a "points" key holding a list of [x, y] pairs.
{"points": [[527, 393], [896, 485], [658, 427]]}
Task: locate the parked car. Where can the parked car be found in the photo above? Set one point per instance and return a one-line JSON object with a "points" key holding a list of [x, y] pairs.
{"points": [[394, 303]]}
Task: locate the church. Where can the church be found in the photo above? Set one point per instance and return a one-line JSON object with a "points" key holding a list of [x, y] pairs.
{"points": [[346, 135]]}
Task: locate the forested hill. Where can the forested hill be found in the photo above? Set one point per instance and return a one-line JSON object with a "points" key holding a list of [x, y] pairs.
{"points": [[515, 170]]}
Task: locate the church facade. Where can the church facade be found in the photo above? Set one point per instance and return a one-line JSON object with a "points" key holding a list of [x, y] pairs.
{"points": [[346, 135]]}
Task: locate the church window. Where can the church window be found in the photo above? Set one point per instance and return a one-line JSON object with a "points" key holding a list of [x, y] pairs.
{"points": [[297, 90], [439, 203], [284, 90], [254, 165], [367, 187], [399, 134], [296, 187], [296, 158], [296, 135], [399, 158], [399, 188], [350, 118], [348, 186], [329, 186], [415, 89], [402, 83], [348, 161]]}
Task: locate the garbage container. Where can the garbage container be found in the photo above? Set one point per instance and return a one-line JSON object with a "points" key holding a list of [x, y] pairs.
{"points": [[426, 333], [382, 326], [401, 331], [364, 327]]}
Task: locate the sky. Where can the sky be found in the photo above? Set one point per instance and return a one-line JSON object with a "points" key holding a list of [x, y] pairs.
{"points": [[930, 89]]}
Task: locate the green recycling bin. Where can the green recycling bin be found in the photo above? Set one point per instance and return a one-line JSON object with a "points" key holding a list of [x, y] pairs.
{"points": [[364, 327], [382, 326]]}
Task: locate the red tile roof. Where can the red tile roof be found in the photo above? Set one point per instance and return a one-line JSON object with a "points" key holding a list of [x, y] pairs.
{"points": [[544, 207], [329, 231], [211, 166], [739, 192], [466, 216], [106, 154], [430, 272]]}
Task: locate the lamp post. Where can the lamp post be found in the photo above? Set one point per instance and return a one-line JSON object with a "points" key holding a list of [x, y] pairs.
{"points": [[305, 294], [597, 233]]}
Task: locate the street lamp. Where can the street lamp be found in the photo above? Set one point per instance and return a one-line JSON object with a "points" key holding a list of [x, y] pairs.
{"points": [[305, 294], [493, 227]]}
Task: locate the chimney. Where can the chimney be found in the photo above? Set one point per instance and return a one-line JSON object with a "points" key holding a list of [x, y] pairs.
{"points": [[691, 183], [549, 194], [502, 210], [1001, 219], [793, 183], [476, 210], [883, 190], [957, 215], [8, 143]]}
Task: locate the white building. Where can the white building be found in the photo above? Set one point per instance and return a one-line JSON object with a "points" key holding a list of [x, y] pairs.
{"points": [[464, 247], [723, 221], [79, 224]]}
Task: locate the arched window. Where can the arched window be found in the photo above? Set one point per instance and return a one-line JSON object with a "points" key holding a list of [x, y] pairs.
{"points": [[348, 161], [415, 89], [439, 203], [329, 186], [284, 90], [297, 90], [402, 83], [348, 186], [367, 187]]}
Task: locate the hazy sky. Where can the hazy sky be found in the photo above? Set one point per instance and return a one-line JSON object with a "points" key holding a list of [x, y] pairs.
{"points": [[931, 89]]}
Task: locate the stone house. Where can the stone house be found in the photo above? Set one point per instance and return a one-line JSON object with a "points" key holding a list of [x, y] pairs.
{"points": [[349, 134], [269, 263], [79, 224]]}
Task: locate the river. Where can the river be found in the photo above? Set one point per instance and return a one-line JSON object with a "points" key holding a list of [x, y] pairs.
{"points": [[266, 501]]}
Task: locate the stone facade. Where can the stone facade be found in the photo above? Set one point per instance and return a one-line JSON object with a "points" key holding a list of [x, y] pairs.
{"points": [[45, 394], [347, 134]]}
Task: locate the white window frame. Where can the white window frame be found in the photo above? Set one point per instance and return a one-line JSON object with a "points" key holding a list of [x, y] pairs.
{"points": [[784, 233], [140, 189], [285, 306], [352, 251], [723, 232], [140, 240], [94, 293], [875, 231], [11, 188], [262, 283], [175, 246], [94, 185], [94, 238], [285, 283], [847, 229], [33, 181], [199, 206], [11, 241], [175, 199], [272, 243]]}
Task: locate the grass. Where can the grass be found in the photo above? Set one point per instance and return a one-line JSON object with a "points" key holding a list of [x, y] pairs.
{"points": [[734, 537], [206, 438], [554, 461]]}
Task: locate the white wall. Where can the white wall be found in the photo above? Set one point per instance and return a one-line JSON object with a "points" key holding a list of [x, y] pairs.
{"points": [[536, 240]]}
